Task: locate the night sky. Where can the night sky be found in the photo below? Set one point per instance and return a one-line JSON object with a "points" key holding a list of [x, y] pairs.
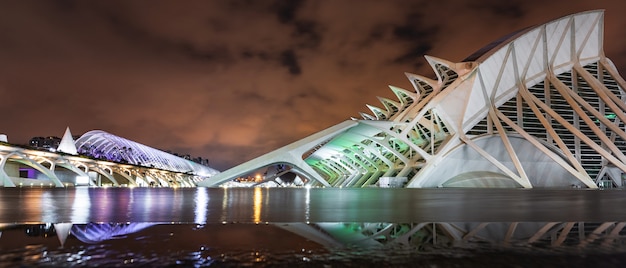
{"points": [[231, 80]]}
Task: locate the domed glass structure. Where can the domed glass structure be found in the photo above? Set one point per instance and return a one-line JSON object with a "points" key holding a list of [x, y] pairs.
{"points": [[103, 145]]}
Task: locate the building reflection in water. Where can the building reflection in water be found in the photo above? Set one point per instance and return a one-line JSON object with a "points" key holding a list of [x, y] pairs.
{"points": [[419, 235], [245, 223], [150, 243], [92, 233], [413, 235]]}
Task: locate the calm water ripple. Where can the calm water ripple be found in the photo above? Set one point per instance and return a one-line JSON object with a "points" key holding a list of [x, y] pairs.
{"points": [[288, 227], [216, 205]]}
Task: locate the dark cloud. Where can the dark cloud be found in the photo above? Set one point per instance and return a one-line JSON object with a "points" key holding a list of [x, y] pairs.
{"points": [[418, 36], [308, 34], [286, 10], [227, 154], [501, 9], [146, 39], [313, 95], [65, 5], [413, 54], [289, 59], [251, 54]]}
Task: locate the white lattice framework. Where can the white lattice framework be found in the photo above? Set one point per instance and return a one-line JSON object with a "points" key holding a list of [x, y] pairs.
{"points": [[542, 107], [101, 144], [537, 236]]}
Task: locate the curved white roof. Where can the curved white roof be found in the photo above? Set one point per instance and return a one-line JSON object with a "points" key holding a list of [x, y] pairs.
{"points": [[100, 144]]}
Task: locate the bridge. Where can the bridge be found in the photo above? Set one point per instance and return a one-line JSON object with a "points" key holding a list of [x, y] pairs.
{"points": [[97, 158]]}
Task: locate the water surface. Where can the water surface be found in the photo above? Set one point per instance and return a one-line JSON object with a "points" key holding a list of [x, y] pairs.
{"points": [[280, 227]]}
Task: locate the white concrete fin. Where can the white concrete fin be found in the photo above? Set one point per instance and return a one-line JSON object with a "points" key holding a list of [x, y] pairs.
{"points": [[388, 105], [367, 116], [404, 95], [380, 113], [418, 80], [67, 144], [433, 61]]}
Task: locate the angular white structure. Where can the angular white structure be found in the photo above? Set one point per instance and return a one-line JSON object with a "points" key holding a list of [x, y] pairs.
{"points": [[542, 107], [67, 143]]}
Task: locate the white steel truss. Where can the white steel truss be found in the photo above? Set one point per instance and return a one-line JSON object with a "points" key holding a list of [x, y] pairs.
{"points": [[542, 107]]}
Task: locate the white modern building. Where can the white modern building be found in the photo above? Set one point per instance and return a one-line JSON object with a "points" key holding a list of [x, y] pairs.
{"points": [[97, 158], [103, 145], [541, 107]]}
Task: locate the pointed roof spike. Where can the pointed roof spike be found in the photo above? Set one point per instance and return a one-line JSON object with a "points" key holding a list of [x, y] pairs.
{"points": [[422, 78], [380, 113], [461, 68], [401, 93], [367, 116], [447, 72], [388, 103], [430, 82], [396, 89], [67, 144], [432, 61]]}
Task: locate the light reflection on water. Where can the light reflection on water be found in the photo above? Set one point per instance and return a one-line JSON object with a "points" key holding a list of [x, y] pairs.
{"points": [[302, 227], [442, 244], [258, 204], [250, 205], [201, 199]]}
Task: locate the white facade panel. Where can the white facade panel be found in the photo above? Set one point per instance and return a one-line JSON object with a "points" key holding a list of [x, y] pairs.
{"points": [[455, 105], [582, 28], [477, 96], [523, 48], [490, 69], [593, 47], [564, 52], [508, 78], [555, 32], [537, 59]]}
